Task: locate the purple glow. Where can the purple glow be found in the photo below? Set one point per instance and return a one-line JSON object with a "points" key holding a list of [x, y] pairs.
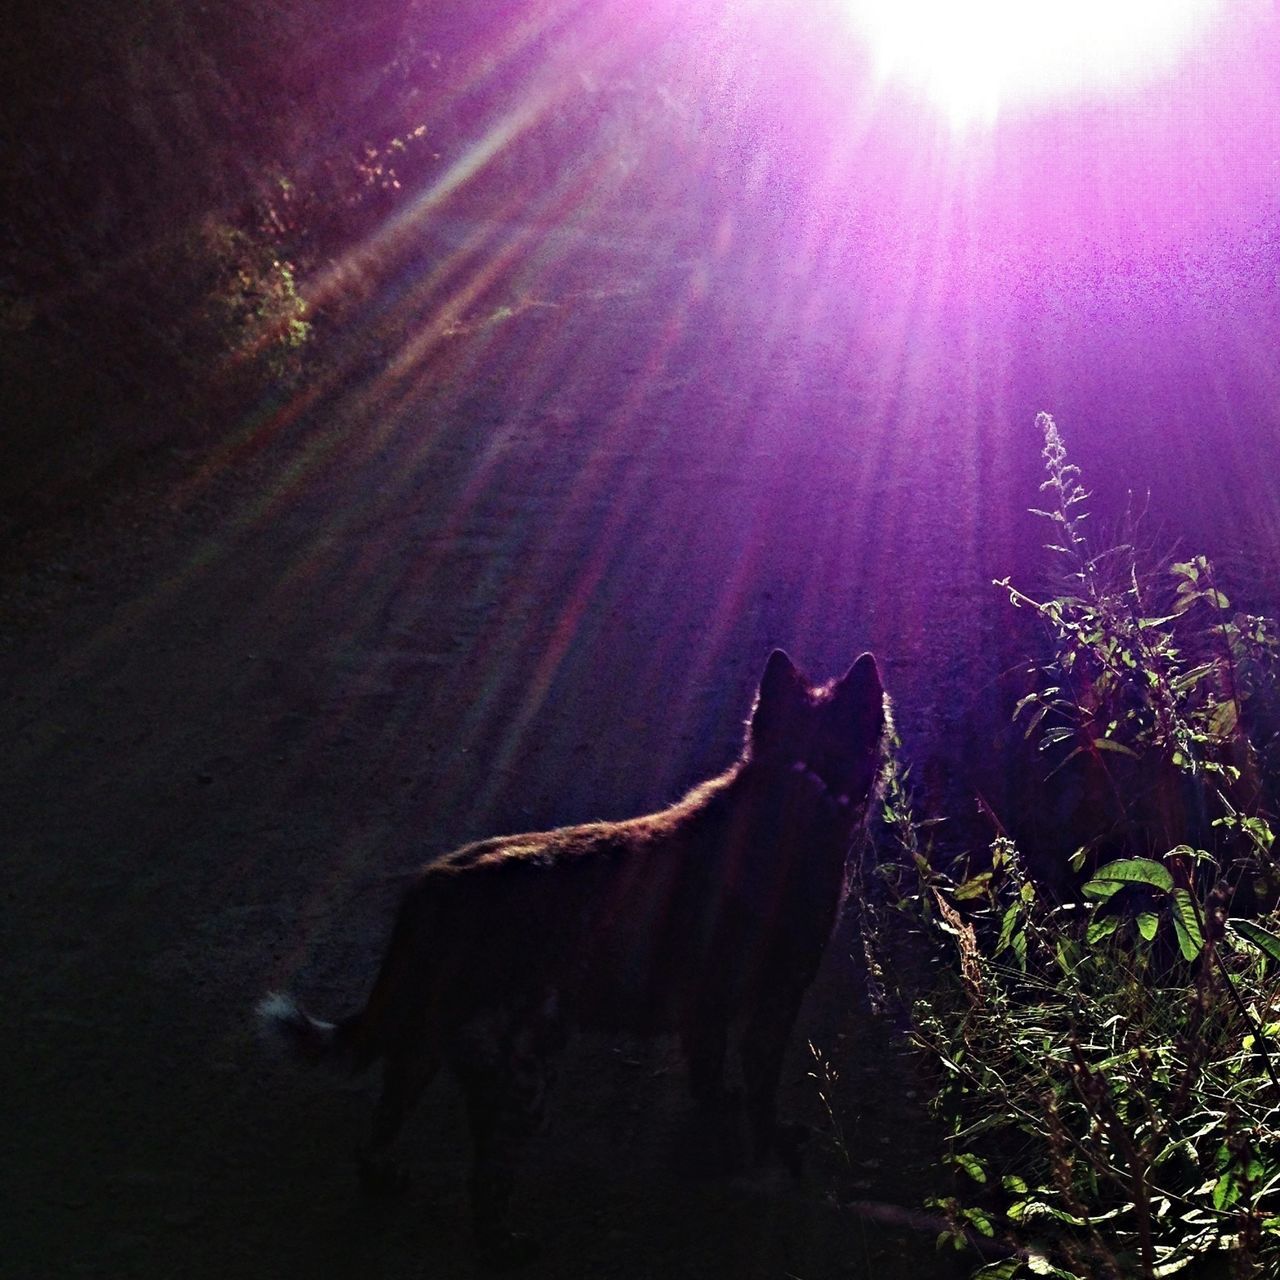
{"points": [[1079, 192], [770, 256]]}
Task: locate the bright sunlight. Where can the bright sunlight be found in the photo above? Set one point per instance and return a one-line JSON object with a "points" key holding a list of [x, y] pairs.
{"points": [[975, 58]]}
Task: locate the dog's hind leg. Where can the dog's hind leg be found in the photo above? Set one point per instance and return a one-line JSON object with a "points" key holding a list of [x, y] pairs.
{"points": [[405, 1076], [506, 1074]]}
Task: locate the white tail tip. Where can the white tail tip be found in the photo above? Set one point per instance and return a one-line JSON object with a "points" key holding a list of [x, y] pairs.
{"points": [[275, 1008], [286, 1023]]}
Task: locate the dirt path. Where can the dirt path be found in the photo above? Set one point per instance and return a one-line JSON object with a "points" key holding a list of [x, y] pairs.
{"points": [[522, 575]]}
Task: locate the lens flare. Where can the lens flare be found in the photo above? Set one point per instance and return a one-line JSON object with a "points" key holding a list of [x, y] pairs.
{"points": [[976, 58]]}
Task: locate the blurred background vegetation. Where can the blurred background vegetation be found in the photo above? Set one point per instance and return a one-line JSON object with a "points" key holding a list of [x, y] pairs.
{"points": [[171, 173], [178, 178]]}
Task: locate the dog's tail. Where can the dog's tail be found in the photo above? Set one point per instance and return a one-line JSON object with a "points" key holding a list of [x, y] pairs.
{"points": [[305, 1038]]}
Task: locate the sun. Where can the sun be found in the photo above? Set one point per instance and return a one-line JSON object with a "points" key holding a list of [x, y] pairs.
{"points": [[975, 58]]}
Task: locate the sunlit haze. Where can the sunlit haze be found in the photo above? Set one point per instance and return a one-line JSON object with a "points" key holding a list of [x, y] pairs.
{"points": [[975, 58]]}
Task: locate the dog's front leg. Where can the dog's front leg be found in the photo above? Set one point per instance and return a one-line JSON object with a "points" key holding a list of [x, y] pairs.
{"points": [[764, 1044]]}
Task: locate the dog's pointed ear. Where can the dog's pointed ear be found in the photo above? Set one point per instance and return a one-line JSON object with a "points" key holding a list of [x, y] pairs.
{"points": [[780, 679], [782, 688], [859, 694]]}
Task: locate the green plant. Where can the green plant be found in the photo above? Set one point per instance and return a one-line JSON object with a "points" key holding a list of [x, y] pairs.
{"points": [[1156, 684], [251, 309], [1107, 1066]]}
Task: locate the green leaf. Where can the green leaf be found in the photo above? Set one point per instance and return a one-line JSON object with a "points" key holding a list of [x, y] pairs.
{"points": [[1008, 925], [1186, 925], [1266, 941], [1101, 929], [1023, 703], [1224, 719], [1031, 1210], [1148, 922], [1189, 679], [1059, 734], [1005, 1269], [973, 888], [1259, 831], [1110, 744], [1039, 1265], [981, 1223], [1115, 875], [971, 1165], [1033, 721]]}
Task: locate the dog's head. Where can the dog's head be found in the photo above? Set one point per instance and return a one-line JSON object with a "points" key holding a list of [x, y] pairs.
{"points": [[832, 731]]}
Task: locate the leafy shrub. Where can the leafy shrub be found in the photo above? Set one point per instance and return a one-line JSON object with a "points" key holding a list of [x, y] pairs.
{"points": [[1157, 684], [1107, 1064], [249, 305], [210, 308]]}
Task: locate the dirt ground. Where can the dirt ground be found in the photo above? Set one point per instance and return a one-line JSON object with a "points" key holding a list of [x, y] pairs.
{"points": [[519, 565]]}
